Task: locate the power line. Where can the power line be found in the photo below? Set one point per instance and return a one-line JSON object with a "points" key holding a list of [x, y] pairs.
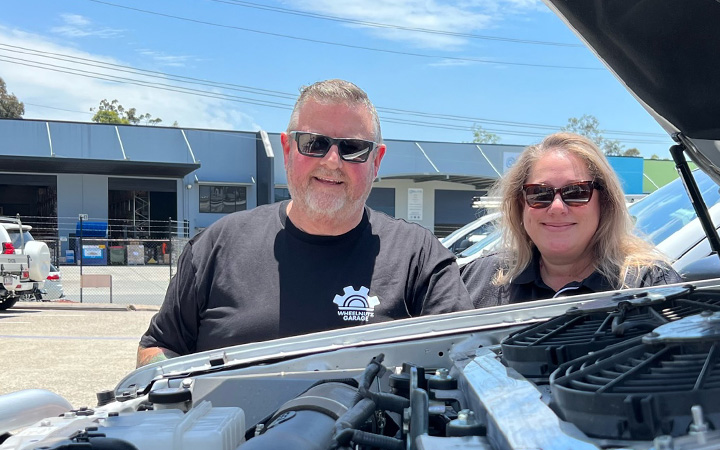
{"points": [[59, 109], [144, 72], [162, 86], [356, 47], [394, 27], [258, 102], [260, 91]]}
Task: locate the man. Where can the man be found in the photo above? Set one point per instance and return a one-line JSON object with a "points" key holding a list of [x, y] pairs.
{"points": [[322, 260]]}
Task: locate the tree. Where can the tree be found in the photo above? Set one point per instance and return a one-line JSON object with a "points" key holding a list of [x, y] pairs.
{"points": [[654, 156], [631, 152], [114, 112], [10, 106], [589, 126], [482, 136]]}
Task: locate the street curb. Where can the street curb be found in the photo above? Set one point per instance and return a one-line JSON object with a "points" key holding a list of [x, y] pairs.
{"points": [[143, 308], [83, 306]]}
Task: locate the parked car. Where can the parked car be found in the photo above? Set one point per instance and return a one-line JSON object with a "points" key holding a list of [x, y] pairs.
{"points": [[24, 263], [17, 237], [667, 219], [464, 237], [633, 370], [488, 244], [53, 289]]}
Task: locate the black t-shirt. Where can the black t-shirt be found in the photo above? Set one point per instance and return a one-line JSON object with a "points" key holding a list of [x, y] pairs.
{"points": [[529, 285], [253, 276]]}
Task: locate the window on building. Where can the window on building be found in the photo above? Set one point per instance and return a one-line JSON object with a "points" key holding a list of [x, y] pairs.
{"points": [[453, 209], [222, 199], [282, 194], [382, 199]]}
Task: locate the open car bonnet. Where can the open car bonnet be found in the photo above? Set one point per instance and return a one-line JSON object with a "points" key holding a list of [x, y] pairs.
{"points": [[635, 369], [665, 52]]}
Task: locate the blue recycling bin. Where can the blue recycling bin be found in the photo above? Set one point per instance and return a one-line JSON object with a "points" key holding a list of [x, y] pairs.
{"points": [[91, 229], [94, 251]]}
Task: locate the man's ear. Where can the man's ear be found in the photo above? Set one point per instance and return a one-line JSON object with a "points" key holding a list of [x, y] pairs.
{"points": [[379, 154], [286, 144]]}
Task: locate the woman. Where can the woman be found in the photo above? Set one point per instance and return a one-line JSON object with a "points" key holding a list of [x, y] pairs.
{"points": [[566, 230]]}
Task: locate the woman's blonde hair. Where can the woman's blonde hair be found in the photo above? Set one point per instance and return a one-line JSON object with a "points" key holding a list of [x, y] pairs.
{"points": [[616, 249]]}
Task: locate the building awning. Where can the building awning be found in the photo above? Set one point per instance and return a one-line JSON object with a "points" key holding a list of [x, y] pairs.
{"points": [[465, 163], [35, 164]]}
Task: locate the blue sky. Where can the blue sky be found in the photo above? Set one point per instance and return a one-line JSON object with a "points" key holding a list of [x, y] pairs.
{"points": [[510, 66]]}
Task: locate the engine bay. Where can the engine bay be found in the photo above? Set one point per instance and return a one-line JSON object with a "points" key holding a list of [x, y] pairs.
{"points": [[627, 371]]}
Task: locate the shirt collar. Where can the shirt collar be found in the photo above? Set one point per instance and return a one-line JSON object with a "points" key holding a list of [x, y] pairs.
{"points": [[595, 282]]}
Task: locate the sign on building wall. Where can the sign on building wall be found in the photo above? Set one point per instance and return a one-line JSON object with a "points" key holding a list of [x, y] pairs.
{"points": [[509, 159], [415, 204]]}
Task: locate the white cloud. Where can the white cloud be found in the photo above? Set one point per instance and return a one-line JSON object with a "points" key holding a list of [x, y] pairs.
{"points": [[453, 63], [72, 96], [75, 19], [165, 60], [77, 26], [452, 17]]}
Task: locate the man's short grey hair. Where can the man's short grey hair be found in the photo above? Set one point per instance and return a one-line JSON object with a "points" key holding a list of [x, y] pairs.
{"points": [[335, 91]]}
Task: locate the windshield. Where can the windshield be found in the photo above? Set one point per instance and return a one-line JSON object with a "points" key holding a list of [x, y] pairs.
{"points": [[486, 243], [475, 231], [668, 209]]}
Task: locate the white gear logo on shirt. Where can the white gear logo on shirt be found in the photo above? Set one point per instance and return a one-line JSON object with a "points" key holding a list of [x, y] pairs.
{"points": [[355, 305]]}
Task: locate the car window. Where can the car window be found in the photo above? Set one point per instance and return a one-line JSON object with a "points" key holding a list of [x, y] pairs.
{"points": [[472, 237], [489, 240], [15, 237], [668, 209]]}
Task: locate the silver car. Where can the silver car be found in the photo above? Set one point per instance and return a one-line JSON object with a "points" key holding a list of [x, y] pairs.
{"points": [[53, 289]]}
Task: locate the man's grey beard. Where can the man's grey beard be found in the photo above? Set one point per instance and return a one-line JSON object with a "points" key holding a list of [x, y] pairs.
{"points": [[323, 205]]}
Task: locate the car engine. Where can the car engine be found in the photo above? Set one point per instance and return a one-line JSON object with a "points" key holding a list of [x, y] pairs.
{"points": [[629, 371]]}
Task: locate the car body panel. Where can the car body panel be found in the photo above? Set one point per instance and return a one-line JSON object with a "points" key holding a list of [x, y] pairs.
{"points": [[53, 289]]}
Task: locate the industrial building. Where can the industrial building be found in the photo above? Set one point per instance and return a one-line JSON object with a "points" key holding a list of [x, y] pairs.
{"points": [[136, 175]]}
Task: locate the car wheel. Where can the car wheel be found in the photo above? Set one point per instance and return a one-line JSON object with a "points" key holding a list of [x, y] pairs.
{"points": [[29, 297], [7, 303]]}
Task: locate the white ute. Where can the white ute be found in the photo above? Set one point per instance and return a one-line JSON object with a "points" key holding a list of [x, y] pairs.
{"points": [[24, 263]]}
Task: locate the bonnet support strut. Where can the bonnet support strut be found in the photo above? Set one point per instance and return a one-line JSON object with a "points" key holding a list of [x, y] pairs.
{"points": [[677, 152]]}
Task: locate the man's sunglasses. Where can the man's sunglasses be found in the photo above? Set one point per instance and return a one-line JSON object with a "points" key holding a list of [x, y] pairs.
{"points": [[317, 146], [573, 194]]}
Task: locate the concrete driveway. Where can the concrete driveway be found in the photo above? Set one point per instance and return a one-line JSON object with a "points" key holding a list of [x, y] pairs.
{"points": [[73, 350]]}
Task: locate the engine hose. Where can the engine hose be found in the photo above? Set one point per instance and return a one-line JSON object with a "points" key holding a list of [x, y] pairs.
{"points": [[360, 437], [372, 370], [306, 422], [266, 420], [352, 419], [387, 401], [357, 415]]}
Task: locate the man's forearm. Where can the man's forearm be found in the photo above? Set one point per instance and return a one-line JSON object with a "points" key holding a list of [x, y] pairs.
{"points": [[149, 355]]}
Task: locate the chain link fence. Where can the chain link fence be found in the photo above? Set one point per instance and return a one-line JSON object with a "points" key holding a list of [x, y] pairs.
{"points": [[110, 268]]}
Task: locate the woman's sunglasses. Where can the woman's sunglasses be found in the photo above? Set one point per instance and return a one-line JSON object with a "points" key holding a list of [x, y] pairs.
{"points": [[573, 194], [317, 146]]}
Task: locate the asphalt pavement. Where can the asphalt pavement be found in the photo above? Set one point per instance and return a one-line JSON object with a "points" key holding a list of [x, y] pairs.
{"points": [[72, 349]]}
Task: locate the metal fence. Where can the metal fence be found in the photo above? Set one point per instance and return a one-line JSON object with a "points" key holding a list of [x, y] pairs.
{"points": [[122, 271], [125, 266]]}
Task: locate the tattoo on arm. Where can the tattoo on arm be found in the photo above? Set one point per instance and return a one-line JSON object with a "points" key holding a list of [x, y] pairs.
{"points": [[149, 355]]}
